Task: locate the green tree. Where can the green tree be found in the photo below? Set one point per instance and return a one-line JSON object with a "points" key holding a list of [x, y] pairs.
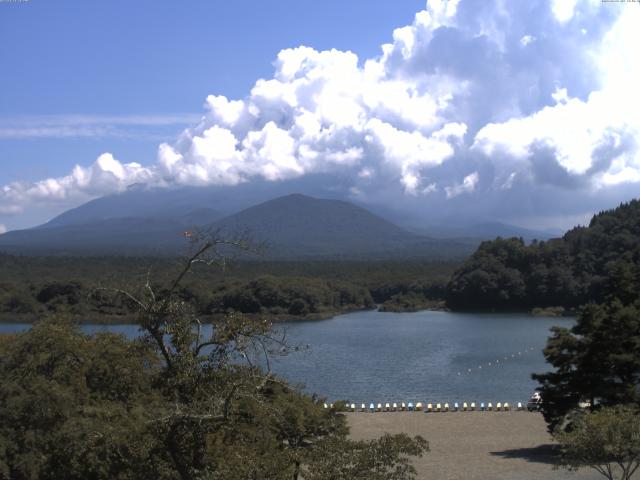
{"points": [[597, 360], [386, 458], [76, 407], [183, 401], [588, 264], [607, 440]]}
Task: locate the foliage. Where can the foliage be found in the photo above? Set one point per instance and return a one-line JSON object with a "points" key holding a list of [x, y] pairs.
{"points": [[597, 360], [177, 403], [75, 407], [36, 286], [384, 459], [588, 264], [418, 294], [607, 440]]}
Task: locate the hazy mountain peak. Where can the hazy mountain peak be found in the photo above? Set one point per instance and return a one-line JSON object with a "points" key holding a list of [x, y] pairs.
{"points": [[292, 226]]}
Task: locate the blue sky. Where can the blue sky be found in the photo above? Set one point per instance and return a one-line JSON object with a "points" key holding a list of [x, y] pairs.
{"points": [[524, 112], [154, 58]]}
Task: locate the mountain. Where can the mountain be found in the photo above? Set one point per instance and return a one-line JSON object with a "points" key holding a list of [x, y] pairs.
{"points": [[140, 202], [302, 226], [126, 235], [486, 231], [292, 227], [491, 230]]}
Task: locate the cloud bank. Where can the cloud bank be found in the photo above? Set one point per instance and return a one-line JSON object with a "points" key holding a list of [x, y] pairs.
{"points": [[512, 108]]}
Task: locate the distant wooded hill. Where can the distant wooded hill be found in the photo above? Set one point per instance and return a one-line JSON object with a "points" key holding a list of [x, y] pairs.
{"points": [[588, 264], [298, 226], [291, 227], [150, 221]]}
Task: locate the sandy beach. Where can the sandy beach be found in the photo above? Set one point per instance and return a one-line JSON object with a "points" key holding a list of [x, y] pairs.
{"points": [[473, 445]]}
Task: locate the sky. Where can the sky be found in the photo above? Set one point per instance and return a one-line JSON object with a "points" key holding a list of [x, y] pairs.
{"points": [[524, 112]]}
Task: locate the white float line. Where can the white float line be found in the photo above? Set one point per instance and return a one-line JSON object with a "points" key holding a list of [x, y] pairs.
{"points": [[497, 362], [430, 407]]}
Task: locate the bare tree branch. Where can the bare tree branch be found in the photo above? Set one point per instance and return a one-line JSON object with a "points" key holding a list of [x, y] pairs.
{"points": [[125, 294]]}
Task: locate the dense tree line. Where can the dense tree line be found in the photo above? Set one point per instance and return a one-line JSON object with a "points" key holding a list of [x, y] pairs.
{"points": [[411, 296], [35, 286], [294, 296], [588, 264]]}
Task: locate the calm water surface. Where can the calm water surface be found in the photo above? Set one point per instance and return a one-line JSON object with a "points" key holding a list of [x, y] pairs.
{"points": [[424, 356]]}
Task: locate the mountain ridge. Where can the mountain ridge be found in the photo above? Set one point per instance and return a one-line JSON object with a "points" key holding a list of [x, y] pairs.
{"points": [[142, 221], [293, 226]]}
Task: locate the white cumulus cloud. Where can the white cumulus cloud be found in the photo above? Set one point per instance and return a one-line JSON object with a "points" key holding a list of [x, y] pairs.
{"points": [[563, 9], [595, 136], [468, 185], [526, 40], [105, 175], [513, 93]]}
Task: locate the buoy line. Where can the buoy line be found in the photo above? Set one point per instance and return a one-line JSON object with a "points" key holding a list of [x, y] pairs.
{"points": [[497, 362], [445, 407], [429, 407]]}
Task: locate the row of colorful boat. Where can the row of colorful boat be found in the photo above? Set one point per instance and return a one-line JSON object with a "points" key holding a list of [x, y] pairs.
{"points": [[429, 407]]}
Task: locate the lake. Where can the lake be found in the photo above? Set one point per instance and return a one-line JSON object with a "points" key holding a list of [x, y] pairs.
{"points": [[427, 356]]}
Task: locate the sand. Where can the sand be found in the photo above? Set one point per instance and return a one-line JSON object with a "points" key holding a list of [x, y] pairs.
{"points": [[473, 445]]}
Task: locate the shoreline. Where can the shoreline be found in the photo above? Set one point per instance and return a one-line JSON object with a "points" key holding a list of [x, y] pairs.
{"points": [[93, 319]]}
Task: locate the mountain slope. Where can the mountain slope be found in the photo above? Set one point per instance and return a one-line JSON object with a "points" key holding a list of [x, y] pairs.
{"points": [[498, 229], [486, 231], [292, 227], [299, 226], [120, 235], [314, 227], [139, 202]]}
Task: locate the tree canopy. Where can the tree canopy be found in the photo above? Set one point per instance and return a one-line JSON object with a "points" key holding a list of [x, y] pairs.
{"points": [[596, 361], [588, 264], [607, 440], [175, 403], [31, 287]]}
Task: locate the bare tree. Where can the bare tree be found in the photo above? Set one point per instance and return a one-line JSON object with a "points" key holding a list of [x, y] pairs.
{"points": [[208, 367]]}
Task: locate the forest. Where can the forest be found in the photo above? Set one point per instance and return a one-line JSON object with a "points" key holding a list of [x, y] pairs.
{"points": [[588, 264], [34, 286], [595, 363]]}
